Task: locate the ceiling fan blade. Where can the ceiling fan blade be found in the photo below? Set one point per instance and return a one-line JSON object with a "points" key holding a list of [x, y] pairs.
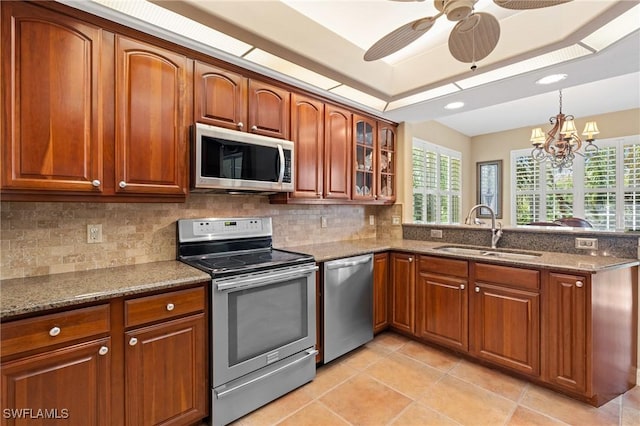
{"points": [[528, 4], [400, 38], [473, 38]]}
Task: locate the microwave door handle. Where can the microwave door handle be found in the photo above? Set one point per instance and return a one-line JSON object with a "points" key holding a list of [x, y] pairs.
{"points": [[281, 153]]}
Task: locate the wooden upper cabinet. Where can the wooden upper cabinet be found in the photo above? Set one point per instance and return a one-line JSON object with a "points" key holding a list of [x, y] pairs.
{"points": [[52, 123], [307, 132], [337, 153], [364, 158], [268, 110], [151, 131], [220, 97], [386, 177]]}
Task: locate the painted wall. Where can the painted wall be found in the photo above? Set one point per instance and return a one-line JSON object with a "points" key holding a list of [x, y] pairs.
{"points": [[492, 146]]}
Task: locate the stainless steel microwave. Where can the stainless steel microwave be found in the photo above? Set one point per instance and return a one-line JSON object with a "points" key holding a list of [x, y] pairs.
{"points": [[230, 160]]}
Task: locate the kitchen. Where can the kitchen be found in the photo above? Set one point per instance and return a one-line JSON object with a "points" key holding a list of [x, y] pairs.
{"points": [[140, 233]]}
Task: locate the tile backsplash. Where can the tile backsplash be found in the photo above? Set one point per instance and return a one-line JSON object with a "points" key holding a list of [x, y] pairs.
{"points": [[40, 238]]}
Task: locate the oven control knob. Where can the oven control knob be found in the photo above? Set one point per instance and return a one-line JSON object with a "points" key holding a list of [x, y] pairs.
{"points": [[170, 306], [54, 331], [133, 341]]}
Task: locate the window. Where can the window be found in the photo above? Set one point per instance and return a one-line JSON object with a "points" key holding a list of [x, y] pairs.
{"points": [[437, 177], [604, 188]]}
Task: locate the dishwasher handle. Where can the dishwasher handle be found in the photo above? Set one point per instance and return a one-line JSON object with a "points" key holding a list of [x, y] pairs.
{"points": [[348, 263]]}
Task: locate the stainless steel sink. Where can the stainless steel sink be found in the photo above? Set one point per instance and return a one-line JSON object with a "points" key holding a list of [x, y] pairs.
{"points": [[503, 254]]}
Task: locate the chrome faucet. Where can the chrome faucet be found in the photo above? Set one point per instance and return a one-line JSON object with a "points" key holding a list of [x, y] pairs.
{"points": [[496, 233]]}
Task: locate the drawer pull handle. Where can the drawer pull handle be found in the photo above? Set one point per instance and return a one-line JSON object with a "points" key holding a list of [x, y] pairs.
{"points": [[170, 306], [103, 350], [579, 283], [461, 286], [477, 289], [133, 341], [54, 331]]}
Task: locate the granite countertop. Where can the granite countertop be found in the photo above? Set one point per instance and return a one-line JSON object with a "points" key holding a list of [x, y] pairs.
{"points": [[21, 296], [562, 262]]}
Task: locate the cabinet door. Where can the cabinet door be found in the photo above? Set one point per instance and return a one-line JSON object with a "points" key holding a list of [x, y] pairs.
{"points": [[441, 310], [166, 375], [386, 177], [402, 292], [337, 153], [505, 327], [71, 384], [268, 110], [151, 130], [307, 132], [220, 97], [566, 331], [53, 136], [380, 292], [365, 159]]}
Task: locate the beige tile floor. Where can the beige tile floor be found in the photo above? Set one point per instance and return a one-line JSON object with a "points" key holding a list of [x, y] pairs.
{"points": [[396, 381]]}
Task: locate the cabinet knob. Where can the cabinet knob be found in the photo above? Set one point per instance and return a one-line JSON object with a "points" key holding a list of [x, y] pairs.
{"points": [[579, 283], [54, 331], [410, 259], [461, 286], [133, 341], [254, 128], [95, 183], [240, 125], [477, 289], [122, 184], [170, 306], [103, 350]]}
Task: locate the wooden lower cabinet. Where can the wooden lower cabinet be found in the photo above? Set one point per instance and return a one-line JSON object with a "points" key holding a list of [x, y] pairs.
{"points": [[402, 276], [164, 369], [380, 292], [441, 301], [69, 385], [504, 317]]}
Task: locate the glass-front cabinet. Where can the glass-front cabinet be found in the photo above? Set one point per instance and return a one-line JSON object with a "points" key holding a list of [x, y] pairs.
{"points": [[387, 162], [365, 158]]}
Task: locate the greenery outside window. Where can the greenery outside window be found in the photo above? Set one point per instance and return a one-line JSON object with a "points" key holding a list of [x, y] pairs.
{"points": [[437, 188], [603, 189]]}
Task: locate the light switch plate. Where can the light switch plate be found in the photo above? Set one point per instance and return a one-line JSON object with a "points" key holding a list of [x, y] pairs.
{"points": [[587, 243], [395, 220], [436, 233]]}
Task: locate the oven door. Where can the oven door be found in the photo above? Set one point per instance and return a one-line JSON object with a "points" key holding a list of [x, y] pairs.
{"points": [[260, 318]]}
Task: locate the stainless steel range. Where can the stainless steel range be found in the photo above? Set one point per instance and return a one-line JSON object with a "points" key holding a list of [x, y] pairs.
{"points": [[263, 312]]}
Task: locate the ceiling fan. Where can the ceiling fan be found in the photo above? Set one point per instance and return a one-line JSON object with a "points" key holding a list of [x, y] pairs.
{"points": [[474, 36]]}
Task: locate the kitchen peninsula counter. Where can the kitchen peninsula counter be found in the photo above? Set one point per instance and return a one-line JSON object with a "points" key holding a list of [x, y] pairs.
{"points": [[20, 296], [323, 252]]}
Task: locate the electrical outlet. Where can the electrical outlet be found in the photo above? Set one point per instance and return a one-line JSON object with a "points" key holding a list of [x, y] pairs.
{"points": [[395, 220], [436, 233], [323, 221], [587, 243], [94, 234], [372, 220]]}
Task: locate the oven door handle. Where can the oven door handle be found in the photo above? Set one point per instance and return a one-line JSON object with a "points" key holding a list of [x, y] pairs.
{"points": [[222, 394], [263, 280]]}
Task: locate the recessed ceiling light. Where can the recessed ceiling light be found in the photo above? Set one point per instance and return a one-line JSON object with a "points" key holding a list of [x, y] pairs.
{"points": [[550, 79], [454, 105]]}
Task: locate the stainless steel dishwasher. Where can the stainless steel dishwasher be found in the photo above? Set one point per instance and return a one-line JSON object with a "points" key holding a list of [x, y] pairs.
{"points": [[348, 304]]}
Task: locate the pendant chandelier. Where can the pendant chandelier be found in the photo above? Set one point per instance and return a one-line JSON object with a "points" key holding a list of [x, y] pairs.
{"points": [[560, 145]]}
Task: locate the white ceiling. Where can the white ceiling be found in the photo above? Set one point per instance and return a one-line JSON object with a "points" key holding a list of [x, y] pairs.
{"points": [[331, 36]]}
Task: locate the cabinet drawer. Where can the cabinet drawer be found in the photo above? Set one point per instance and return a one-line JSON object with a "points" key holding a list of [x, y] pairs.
{"points": [[515, 277], [441, 265], [47, 330], [163, 306]]}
